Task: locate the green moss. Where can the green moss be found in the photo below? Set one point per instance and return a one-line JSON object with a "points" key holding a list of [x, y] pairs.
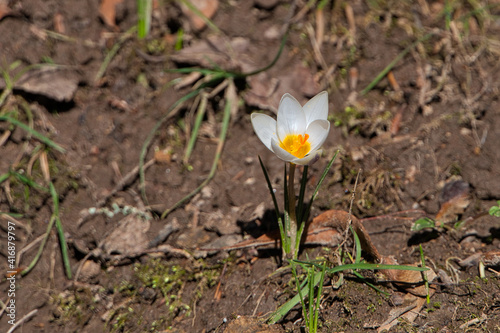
{"points": [[170, 280], [72, 306]]}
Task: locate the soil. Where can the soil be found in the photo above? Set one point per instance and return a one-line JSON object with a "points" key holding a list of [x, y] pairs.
{"points": [[107, 97]]}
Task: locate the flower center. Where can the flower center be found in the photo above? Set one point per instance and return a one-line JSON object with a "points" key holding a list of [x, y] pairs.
{"points": [[296, 144]]}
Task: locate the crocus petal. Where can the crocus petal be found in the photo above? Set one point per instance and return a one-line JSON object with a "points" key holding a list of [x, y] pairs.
{"points": [[318, 132], [265, 128], [309, 159], [280, 152], [317, 107], [291, 117]]}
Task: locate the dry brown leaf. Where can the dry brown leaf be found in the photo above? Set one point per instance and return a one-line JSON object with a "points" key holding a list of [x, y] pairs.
{"points": [[407, 312], [413, 283], [107, 11], [454, 200], [410, 281], [52, 82], [217, 51], [326, 229], [206, 7], [4, 9], [490, 258], [266, 91]]}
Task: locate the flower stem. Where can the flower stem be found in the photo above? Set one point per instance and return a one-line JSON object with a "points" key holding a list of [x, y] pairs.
{"points": [[292, 232]]}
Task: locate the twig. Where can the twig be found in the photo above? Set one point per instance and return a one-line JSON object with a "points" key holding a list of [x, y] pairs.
{"points": [[396, 314], [316, 47], [22, 320], [258, 303], [218, 292], [28, 247], [128, 34], [349, 216], [474, 321], [3, 305]]}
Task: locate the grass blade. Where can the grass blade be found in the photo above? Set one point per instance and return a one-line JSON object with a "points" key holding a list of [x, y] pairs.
{"points": [[285, 308], [60, 230], [218, 153], [144, 10], [111, 54], [40, 249], [34, 133], [149, 138], [27, 181], [197, 123], [393, 63], [424, 275]]}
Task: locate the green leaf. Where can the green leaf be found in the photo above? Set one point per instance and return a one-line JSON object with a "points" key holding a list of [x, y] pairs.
{"points": [[285, 308], [423, 223], [144, 11], [495, 210]]}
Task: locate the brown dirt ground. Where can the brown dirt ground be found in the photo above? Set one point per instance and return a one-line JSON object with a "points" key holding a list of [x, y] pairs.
{"points": [[441, 124]]}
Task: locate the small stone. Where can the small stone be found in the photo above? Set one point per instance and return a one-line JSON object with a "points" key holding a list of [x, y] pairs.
{"points": [[90, 270], [465, 131], [193, 238], [207, 192], [272, 33], [128, 237], [427, 110], [250, 181]]}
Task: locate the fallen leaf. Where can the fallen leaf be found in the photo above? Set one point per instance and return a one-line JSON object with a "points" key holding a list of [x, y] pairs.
{"points": [[407, 312], [454, 200], [217, 51], [326, 229], [50, 81], [90, 270], [107, 11], [206, 7], [266, 91], [4, 9], [410, 281], [490, 258]]}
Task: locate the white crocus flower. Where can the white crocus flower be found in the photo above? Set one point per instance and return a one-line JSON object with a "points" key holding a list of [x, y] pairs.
{"points": [[298, 132]]}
